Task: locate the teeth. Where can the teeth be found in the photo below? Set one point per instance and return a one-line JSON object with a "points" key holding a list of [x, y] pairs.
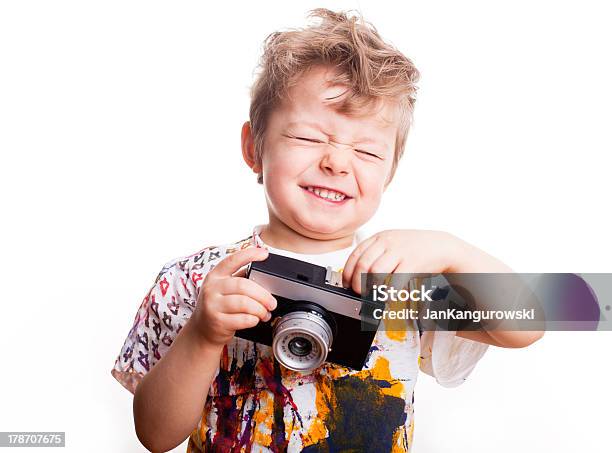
{"points": [[328, 194]]}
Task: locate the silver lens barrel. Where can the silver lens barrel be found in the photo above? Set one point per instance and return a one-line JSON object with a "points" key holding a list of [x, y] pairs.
{"points": [[301, 340]]}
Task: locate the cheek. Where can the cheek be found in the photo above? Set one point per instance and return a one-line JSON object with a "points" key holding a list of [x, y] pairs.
{"points": [[280, 177], [283, 162], [371, 184]]}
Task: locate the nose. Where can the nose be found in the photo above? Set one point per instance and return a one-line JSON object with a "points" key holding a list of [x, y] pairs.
{"points": [[336, 160]]}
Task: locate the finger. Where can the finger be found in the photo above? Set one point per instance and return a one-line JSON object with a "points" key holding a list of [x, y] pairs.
{"points": [[241, 272], [398, 279], [405, 268], [349, 267], [364, 264], [238, 321], [236, 303], [408, 273], [384, 266], [236, 260], [245, 287]]}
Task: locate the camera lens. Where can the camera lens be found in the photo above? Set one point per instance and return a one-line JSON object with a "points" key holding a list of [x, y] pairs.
{"points": [[300, 346], [302, 337]]}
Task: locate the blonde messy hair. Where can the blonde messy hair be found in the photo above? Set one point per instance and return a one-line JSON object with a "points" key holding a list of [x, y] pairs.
{"points": [[372, 70]]}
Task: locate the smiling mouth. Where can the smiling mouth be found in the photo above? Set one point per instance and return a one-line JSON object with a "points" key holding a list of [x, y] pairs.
{"points": [[326, 194]]}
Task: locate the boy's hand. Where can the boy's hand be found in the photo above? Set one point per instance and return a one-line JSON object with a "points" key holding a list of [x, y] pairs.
{"points": [[403, 251], [228, 302]]}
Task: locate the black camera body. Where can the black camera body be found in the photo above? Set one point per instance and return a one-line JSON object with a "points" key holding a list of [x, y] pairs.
{"points": [[316, 319]]}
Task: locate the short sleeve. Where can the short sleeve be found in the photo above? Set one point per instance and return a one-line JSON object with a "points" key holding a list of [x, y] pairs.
{"points": [[449, 358], [162, 314]]}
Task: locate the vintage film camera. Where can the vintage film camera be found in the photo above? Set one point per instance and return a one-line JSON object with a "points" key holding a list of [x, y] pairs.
{"points": [[316, 319]]}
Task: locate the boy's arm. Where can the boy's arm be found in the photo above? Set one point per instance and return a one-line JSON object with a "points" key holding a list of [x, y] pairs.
{"points": [[471, 260], [435, 252], [169, 400]]}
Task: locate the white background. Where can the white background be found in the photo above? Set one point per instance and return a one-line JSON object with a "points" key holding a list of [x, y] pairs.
{"points": [[120, 144]]}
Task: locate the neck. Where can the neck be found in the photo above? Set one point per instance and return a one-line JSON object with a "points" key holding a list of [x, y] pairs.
{"points": [[278, 235]]}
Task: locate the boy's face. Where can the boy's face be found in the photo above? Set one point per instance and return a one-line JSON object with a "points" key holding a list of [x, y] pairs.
{"points": [[309, 146]]}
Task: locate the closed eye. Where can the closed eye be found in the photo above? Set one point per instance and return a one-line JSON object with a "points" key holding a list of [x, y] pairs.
{"points": [[305, 139], [369, 154], [312, 140]]}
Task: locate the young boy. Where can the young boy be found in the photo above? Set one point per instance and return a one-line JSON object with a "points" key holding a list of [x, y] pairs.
{"points": [[329, 117]]}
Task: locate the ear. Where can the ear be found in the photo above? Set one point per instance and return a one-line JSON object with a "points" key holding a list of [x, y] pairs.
{"points": [[248, 148]]}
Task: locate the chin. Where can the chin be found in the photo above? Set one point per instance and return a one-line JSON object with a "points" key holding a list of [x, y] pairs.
{"points": [[321, 229]]}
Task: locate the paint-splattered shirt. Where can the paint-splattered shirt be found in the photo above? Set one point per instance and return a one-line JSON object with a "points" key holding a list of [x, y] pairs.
{"points": [[254, 404]]}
